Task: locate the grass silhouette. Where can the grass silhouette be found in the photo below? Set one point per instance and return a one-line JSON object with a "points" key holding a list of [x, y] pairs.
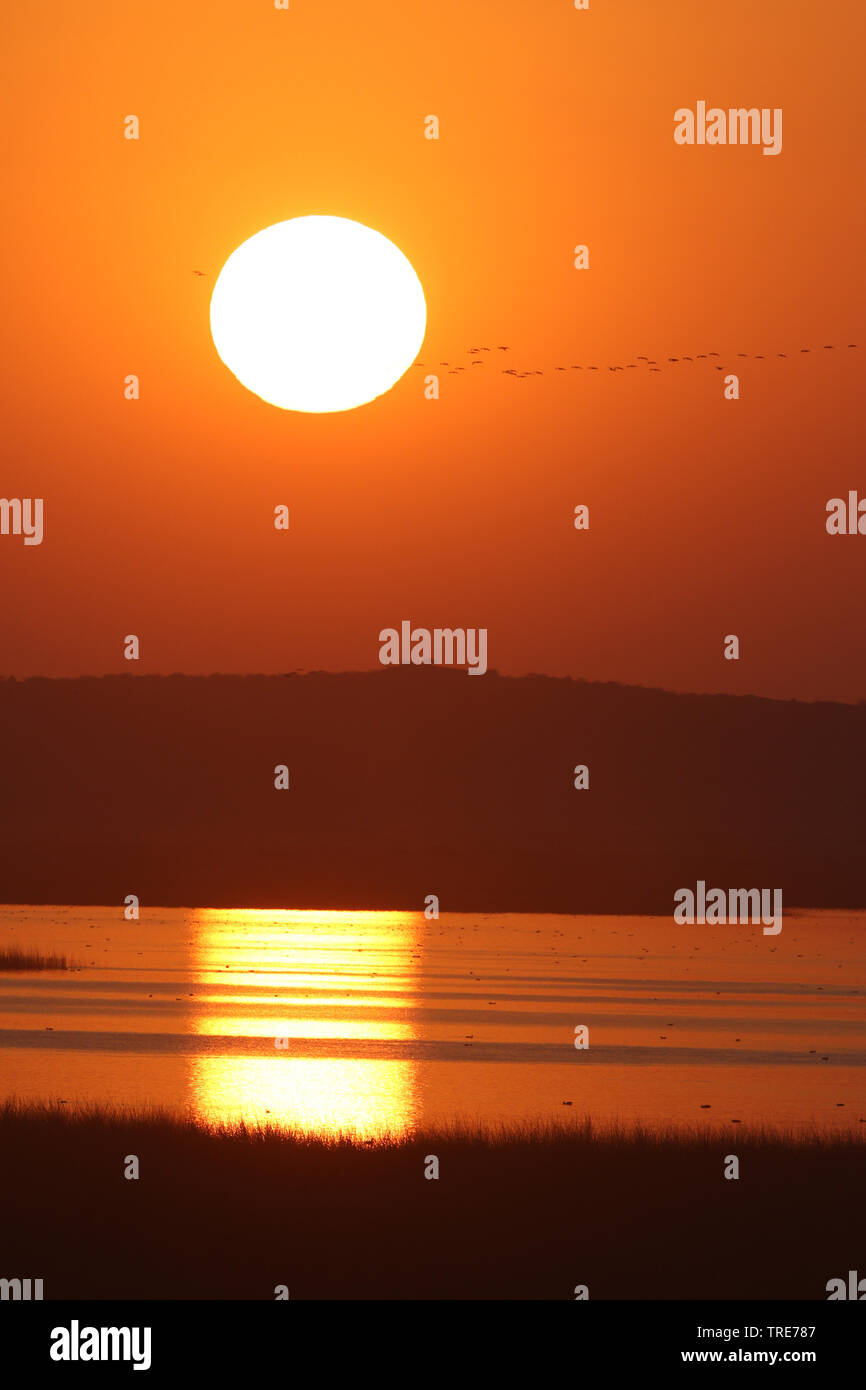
{"points": [[525, 1211], [13, 959]]}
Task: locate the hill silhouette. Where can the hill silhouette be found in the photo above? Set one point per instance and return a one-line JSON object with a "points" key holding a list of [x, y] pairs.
{"points": [[413, 781]]}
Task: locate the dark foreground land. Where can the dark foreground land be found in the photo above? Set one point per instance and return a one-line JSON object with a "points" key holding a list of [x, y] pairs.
{"points": [[232, 1214]]}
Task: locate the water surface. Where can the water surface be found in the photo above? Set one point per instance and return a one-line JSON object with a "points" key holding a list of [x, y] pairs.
{"points": [[372, 1021]]}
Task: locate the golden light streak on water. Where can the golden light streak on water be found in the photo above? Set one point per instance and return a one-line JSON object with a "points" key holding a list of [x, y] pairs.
{"points": [[307, 975]]}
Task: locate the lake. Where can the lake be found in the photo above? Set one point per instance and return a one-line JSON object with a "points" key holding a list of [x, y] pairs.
{"points": [[384, 1021]]}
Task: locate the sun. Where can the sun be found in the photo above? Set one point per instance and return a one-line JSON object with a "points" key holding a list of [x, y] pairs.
{"points": [[318, 314]]}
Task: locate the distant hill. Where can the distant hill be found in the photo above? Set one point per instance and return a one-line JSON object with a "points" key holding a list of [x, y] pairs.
{"points": [[412, 781]]}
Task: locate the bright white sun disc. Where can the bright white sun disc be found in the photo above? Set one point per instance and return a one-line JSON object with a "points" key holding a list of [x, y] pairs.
{"points": [[318, 314]]}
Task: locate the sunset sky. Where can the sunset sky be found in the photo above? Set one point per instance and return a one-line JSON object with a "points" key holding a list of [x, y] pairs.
{"points": [[556, 128]]}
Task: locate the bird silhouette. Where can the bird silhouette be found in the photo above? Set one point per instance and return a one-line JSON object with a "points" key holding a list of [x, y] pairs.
{"points": [[198, 272], [649, 362]]}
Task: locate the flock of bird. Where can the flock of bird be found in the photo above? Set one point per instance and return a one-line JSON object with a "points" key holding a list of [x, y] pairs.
{"points": [[641, 362]]}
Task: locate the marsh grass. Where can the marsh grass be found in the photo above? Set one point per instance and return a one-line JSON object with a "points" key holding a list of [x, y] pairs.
{"points": [[525, 1211], [11, 958], [568, 1136]]}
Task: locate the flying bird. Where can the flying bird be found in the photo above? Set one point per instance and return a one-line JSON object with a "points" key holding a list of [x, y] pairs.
{"points": [[630, 366]]}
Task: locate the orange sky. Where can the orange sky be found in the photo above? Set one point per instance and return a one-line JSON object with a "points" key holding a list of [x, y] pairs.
{"points": [[707, 516]]}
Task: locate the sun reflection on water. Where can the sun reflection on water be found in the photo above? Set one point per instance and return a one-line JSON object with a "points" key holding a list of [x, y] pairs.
{"points": [[312, 981]]}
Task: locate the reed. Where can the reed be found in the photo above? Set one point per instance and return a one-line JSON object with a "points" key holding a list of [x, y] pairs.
{"points": [[11, 958], [522, 1212]]}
